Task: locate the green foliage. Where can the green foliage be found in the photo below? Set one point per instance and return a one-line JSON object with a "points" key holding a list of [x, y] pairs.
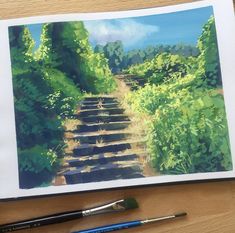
{"points": [[21, 49], [66, 47], [209, 65], [162, 68], [65, 94], [196, 139], [35, 122], [41, 95], [45, 56], [47, 86], [187, 126], [114, 52], [120, 60], [148, 99], [140, 69], [37, 159]]}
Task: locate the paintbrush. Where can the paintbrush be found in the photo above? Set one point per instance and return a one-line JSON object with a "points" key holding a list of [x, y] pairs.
{"points": [[126, 225], [117, 206]]}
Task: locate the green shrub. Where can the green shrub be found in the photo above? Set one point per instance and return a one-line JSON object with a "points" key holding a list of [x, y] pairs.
{"points": [[190, 135], [151, 97], [162, 68], [37, 159], [208, 60], [37, 166], [187, 127], [65, 96]]}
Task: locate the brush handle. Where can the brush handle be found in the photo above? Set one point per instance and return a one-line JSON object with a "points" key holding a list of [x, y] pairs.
{"points": [[113, 227], [41, 221]]}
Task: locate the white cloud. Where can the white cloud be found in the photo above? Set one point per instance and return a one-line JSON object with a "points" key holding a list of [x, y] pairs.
{"points": [[127, 30]]}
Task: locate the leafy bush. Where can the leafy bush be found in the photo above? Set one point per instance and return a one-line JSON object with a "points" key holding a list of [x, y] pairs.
{"points": [[140, 69], [151, 97], [166, 66], [38, 159], [37, 166], [187, 128], [162, 68], [190, 135], [65, 95]]}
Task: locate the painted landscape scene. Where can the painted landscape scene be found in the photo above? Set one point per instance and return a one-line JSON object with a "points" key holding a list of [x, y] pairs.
{"points": [[115, 99]]}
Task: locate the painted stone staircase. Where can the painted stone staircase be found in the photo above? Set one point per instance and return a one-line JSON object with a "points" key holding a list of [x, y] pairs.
{"points": [[106, 150], [132, 81]]}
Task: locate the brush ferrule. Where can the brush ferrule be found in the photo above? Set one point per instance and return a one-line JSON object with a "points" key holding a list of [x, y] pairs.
{"points": [[116, 206], [152, 220]]}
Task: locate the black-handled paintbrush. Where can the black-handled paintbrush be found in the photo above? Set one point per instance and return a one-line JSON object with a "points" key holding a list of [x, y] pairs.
{"points": [[117, 206]]}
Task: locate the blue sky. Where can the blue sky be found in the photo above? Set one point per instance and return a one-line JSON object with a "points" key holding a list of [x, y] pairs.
{"points": [[183, 27], [36, 30]]}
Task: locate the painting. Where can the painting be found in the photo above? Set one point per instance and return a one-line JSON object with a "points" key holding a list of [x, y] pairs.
{"points": [[116, 99]]}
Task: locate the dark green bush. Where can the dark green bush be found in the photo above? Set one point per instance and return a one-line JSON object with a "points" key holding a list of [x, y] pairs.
{"points": [[38, 159], [208, 60]]}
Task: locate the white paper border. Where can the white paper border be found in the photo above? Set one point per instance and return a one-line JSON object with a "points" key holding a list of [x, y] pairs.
{"points": [[224, 16]]}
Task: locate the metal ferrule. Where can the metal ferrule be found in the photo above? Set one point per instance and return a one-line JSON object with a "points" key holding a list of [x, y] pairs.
{"points": [[108, 208], [152, 220]]}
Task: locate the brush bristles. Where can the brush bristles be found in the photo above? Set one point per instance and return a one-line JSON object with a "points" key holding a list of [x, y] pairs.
{"points": [[180, 214], [130, 203]]}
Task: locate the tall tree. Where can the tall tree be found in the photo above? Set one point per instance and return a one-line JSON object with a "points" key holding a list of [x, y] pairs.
{"points": [[38, 130], [99, 49], [114, 52], [68, 46], [209, 64]]}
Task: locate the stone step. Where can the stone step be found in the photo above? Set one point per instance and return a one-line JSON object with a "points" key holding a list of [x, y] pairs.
{"points": [[98, 98], [110, 171], [94, 112], [126, 76], [130, 83], [104, 119], [101, 159], [102, 126], [134, 79], [141, 83], [93, 139], [92, 102], [131, 77], [87, 149], [138, 79], [135, 82], [97, 106]]}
